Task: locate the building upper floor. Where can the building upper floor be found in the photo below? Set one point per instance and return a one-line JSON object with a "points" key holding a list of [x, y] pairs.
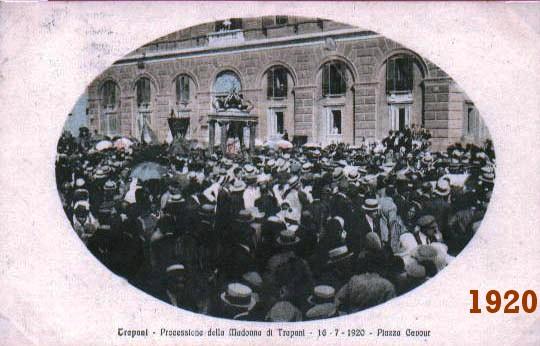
{"points": [[238, 31]]}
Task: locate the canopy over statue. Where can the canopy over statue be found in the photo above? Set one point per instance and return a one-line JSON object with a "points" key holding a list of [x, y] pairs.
{"points": [[232, 113]]}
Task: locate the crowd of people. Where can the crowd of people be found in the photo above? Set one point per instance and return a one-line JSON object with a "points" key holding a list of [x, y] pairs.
{"points": [[275, 235]]}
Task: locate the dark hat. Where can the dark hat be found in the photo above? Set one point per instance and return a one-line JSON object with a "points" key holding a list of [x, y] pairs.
{"points": [[287, 238], [426, 221], [253, 279]]}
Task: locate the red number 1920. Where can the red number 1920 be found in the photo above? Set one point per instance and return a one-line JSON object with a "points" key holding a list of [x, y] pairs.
{"points": [[494, 302]]}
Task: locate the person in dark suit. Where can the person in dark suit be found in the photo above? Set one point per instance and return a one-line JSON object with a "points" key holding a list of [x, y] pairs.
{"points": [[366, 222]]}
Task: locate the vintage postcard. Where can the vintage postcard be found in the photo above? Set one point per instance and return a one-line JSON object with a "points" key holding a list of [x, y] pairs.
{"points": [[269, 173]]}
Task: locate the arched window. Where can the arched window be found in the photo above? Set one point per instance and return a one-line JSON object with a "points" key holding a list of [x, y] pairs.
{"points": [[109, 90], [226, 82], [277, 82], [182, 85], [334, 78], [399, 74], [143, 92]]}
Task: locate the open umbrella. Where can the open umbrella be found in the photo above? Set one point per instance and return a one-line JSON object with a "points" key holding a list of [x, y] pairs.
{"points": [[102, 145], [283, 144], [148, 170], [123, 143]]}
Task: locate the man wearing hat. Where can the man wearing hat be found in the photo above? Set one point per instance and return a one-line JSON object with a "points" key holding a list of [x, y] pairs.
{"points": [[239, 248], [236, 302], [176, 291], [84, 223], [321, 303], [364, 222], [439, 206], [427, 231]]}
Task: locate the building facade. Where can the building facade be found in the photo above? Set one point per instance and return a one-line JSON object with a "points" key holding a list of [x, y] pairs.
{"points": [[320, 80]]}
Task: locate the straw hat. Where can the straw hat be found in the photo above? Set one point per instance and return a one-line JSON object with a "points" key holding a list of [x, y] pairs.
{"points": [[322, 294], [339, 254], [442, 188], [238, 186], [370, 204], [238, 295]]}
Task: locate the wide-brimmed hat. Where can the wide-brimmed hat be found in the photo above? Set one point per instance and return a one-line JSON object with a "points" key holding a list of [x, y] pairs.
{"points": [[100, 174], [339, 254], [238, 186], [322, 294], [293, 181], [442, 188], [321, 311], [287, 238], [337, 173], [306, 167], [284, 312], [249, 169], [370, 204], [109, 185], [427, 159], [238, 295]]}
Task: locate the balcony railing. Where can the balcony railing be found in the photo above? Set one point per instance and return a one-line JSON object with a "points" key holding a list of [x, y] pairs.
{"points": [[225, 37]]}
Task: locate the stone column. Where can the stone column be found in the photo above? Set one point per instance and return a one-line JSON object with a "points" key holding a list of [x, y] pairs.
{"points": [[252, 136], [224, 129], [211, 135]]}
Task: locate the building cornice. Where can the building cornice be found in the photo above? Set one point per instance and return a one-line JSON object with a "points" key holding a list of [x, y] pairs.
{"points": [[264, 44]]}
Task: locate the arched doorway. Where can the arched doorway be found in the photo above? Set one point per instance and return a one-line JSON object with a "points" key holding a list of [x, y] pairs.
{"points": [[401, 101]]}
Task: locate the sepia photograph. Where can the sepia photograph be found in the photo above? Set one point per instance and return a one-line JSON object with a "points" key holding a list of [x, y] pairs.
{"points": [[269, 173], [275, 168]]}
